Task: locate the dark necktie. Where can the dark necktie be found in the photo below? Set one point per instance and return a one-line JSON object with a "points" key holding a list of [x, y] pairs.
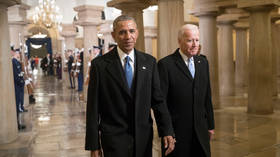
{"points": [[128, 71]]}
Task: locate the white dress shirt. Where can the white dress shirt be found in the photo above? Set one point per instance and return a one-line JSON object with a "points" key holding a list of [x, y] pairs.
{"points": [[186, 59], [123, 56]]}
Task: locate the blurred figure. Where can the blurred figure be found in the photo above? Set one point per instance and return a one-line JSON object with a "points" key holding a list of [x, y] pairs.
{"points": [[79, 70], [19, 86], [59, 67], [69, 65], [32, 63], [111, 46]]}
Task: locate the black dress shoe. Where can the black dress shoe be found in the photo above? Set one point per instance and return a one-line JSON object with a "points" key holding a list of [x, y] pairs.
{"points": [[21, 127]]}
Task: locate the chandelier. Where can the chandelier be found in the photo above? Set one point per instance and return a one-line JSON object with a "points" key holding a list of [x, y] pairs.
{"points": [[47, 14]]}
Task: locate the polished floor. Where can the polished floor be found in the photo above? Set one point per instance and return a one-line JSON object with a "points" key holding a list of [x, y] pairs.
{"points": [[56, 127]]}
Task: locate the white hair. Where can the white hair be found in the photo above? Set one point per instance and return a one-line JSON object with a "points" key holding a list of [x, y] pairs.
{"points": [[185, 27]]}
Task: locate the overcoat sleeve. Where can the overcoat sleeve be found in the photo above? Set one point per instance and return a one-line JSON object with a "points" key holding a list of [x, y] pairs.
{"points": [[92, 114], [208, 103], [159, 106]]}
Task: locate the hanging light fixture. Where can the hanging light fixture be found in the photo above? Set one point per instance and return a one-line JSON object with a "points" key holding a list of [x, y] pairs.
{"points": [[47, 14]]}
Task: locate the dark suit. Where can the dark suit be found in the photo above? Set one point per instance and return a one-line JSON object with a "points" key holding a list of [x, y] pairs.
{"points": [[123, 116], [189, 102]]}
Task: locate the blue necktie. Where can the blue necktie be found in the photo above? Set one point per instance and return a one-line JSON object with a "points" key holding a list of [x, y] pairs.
{"points": [[128, 71], [191, 67]]}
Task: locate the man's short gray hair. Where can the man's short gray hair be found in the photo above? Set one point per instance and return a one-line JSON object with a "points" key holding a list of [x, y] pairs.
{"points": [[122, 18], [185, 27]]}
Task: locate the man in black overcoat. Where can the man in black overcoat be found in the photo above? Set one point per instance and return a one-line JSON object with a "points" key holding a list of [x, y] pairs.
{"points": [[124, 86], [185, 84]]}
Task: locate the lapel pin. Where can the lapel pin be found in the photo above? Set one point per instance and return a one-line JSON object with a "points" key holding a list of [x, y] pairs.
{"points": [[198, 61], [144, 68]]}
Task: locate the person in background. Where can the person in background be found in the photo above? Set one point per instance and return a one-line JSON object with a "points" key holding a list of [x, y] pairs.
{"points": [[19, 86], [79, 69], [69, 65]]}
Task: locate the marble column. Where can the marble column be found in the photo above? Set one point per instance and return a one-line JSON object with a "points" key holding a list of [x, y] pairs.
{"points": [[106, 30], [170, 20], [226, 64], [241, 61], [89, 18], [260, 57], [17, 22], [69, 33], [150, 35], [135, 10], [275, 52], [209, 47], [278, 57], [8, 118]]}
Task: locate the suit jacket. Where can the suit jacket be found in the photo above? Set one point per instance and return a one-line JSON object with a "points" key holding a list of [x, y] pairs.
{"points": [[123, 117], [188, 100]]}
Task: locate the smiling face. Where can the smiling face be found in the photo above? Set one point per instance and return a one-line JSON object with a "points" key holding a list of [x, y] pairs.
{"points": [[125, 34], [189, 42]]}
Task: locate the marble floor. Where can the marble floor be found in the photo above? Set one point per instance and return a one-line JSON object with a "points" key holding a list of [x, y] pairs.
{"points": [[56, 127]]}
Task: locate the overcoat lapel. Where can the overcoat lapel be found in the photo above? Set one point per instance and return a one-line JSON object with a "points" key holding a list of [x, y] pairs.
{"points": [[182, 65], [197, 64], [114, 67], [141, 67]]}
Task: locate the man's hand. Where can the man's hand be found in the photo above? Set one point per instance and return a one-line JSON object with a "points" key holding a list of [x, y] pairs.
{"points": [[211, 134], [169, 144], [96, 153]]}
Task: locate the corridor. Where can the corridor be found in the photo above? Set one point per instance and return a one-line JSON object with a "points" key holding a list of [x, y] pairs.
{"points": [[56, 127], [55, 124]]}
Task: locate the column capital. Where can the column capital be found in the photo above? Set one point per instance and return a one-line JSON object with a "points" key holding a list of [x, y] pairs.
{"points": [[106, 27], [129, 5], [242, 24], [9, 3], [275, 16], [150, 31], [68, 30], [89, 15], [205, 8], [231, 15], [18, 13], [253, 5]]}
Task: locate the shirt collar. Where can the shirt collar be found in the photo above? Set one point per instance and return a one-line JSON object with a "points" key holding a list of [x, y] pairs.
{"points": [[123, 55], [185, 57]]}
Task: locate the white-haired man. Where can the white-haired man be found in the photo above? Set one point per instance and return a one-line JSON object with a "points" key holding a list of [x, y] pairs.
{"points": [[184, 77]]}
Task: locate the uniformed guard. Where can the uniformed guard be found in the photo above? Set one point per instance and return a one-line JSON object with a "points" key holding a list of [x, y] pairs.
{"points": [[19, 86]]}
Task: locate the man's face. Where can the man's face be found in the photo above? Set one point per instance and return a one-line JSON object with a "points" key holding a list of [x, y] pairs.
{"points": [[189, 43], [125, 34]]}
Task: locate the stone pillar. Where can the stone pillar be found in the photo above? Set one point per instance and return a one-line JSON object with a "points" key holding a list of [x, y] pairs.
{"points": [[106, 30], [241, 62], [170, 20], [8, 118], [226, 68], [278, 57], [275, 51], [150, 34], [260, 64], [89, 18], [207, 13], [69, 33], [135, 10], [17, 22]]}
